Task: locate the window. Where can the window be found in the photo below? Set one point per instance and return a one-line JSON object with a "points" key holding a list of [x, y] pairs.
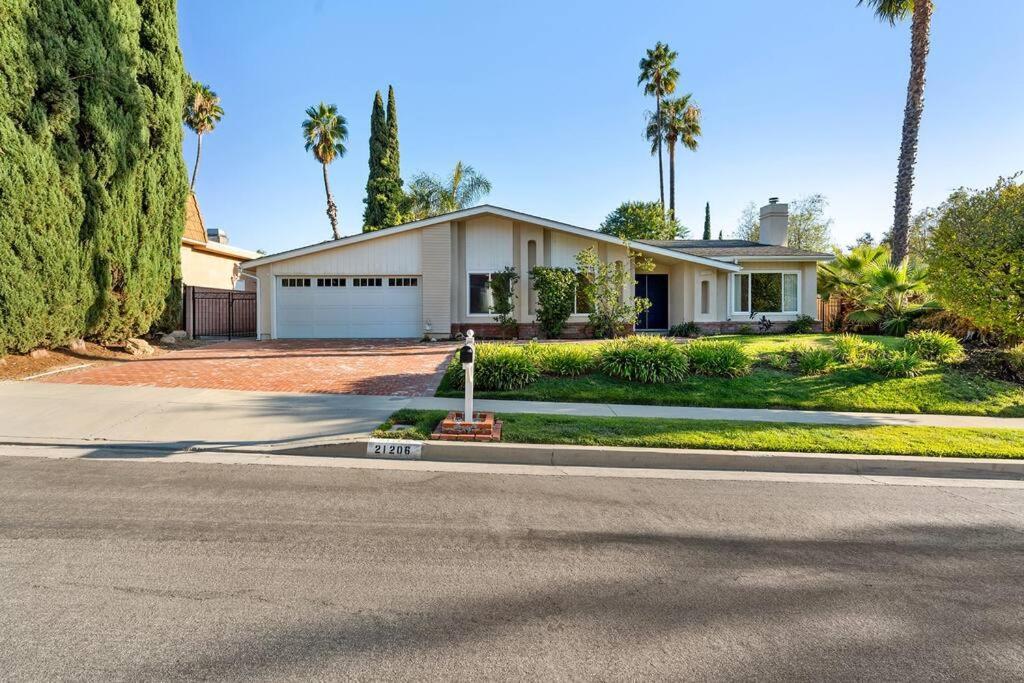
{"points": [[480, 298], [367, 282], [330, 282], [580, 305], [402, 282], [766, 292], [705, 297], [295, 282]]}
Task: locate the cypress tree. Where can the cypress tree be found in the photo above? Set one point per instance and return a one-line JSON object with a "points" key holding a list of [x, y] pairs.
{"points": [[92, 179], [707, 220], [384, 196]]}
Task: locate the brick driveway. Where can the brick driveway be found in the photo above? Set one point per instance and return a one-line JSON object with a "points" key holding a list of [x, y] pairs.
{"points": [[397, 368]]}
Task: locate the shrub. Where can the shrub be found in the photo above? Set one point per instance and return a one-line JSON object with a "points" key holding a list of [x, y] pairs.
{"points": [[936, 346], [745, 330], [1015, 358], [600, 287], [646, 359], [720, 358], [976, 256], [814, 360], [802, 325], [897, 364], [498, 367], [690, 329], [503, 294], [567, 360], [854, 349], [556, 297]]}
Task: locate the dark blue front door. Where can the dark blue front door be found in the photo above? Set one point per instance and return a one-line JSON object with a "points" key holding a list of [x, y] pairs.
{"points": [[654, 288]]}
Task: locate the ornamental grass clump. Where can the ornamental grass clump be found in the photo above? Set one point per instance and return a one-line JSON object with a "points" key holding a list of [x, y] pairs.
{"points": [[650, 360], [933, 345], [567, 360], [497, 367], [854, 349], [777, 360], [813, 360], [717, 358], [897, 364]]}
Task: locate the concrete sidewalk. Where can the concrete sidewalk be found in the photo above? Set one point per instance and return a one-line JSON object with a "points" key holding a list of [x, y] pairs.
{"points": [[211, 417]]}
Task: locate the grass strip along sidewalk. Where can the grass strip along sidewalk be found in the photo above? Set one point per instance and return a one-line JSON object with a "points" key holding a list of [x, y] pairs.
{"points": [[732, 435]]}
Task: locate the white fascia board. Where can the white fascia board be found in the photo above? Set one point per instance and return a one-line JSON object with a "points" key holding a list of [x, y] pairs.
{"points": [[497, 211], [790, 259]]}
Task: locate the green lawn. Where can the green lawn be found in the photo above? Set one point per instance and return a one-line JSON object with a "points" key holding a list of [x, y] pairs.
{"points": [[730, 435], [940, 389]]}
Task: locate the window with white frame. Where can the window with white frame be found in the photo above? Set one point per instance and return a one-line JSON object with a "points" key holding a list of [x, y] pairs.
{"points": [[766, 292]]}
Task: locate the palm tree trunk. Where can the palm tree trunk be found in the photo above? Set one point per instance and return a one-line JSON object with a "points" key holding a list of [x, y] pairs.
{"points": [[919, 39], [332, 208], [661, 169], [672, 180], [195, 168]]}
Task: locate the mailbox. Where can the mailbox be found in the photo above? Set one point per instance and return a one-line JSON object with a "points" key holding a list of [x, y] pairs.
{"points": [[466, 354]]}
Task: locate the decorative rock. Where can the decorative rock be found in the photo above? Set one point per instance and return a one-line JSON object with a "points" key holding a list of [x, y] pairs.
{"points": [[38, 353], [138, 347], [179, 334], [78, 345], [168, 339]]}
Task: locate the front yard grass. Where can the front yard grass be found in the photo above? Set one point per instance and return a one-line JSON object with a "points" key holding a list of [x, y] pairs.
{"points": [[733, 435], [940, 389]]}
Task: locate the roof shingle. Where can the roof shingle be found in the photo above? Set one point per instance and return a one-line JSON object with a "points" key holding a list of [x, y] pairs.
{"points": [[737, 248]]}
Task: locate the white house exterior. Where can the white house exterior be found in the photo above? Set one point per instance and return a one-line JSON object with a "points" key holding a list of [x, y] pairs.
{"points": [[429, 277]]}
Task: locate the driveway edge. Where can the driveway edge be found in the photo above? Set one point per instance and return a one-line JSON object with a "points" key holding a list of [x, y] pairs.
{"points": [[689, 459]]}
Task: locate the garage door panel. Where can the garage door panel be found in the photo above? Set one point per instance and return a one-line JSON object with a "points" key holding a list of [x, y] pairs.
{"points": [[324, 312]]}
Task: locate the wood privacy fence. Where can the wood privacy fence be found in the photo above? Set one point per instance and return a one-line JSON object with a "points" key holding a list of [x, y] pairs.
{"points": [[213, 312], [828, 313]]}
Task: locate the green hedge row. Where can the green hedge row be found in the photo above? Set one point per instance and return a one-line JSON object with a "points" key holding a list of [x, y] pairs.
{"points": [[92, 180]]}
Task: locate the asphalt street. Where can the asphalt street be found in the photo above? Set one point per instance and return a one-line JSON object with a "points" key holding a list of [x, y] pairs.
{"points": [[133, 571]]}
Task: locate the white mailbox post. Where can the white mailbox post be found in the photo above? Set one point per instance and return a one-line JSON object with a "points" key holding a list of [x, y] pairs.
{"points": [[467, 356]]}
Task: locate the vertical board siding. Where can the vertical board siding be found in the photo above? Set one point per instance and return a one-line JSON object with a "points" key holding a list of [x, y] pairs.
{"points": [[436, 245]]}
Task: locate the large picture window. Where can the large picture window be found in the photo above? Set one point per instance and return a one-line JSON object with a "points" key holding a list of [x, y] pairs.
{"points": [[765, 293]]}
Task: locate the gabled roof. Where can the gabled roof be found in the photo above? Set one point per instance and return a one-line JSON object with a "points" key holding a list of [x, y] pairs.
{"points": [[488, 209], [742, 249], [195, 227]]}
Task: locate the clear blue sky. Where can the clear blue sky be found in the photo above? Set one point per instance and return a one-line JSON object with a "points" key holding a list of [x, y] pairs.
{"points": [[798, 97]]}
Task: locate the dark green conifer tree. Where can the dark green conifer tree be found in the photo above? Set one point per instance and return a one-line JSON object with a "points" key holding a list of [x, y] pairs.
{"points": [[92, 178], [384, 196], [707, 220]]}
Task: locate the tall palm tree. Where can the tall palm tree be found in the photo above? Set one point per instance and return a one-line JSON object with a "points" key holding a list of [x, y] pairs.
{"points": [[658, 75], [325, 132], [920, 12], [431, 196], [680, 122], [202, 114]]}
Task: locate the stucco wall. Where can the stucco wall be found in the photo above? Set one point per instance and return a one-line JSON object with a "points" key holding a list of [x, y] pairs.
{"points": [[204, 269]]}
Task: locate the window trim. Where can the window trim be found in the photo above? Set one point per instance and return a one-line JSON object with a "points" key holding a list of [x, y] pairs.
{"points": [[733, 285]]}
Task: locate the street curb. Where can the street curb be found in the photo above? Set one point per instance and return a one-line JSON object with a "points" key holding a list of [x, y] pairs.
{"points": [[688, 459]]}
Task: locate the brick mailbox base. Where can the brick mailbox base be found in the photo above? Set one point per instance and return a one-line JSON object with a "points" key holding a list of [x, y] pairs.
{"points": [[484, 428]]}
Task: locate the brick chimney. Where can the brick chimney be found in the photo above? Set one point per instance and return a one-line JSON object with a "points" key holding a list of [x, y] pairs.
{"points": [[775, 223]]}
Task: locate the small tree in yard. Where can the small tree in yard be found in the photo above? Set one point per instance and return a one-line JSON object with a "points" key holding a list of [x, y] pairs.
{"points": [[556, 292], [976, 256], [603, 285], [503, 288]]}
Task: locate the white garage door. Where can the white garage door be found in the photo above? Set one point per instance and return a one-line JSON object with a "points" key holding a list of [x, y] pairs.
{"points": [[347, 307]]}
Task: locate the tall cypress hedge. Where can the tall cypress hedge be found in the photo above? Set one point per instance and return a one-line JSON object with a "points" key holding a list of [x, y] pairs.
{"points": [[92, 180]]}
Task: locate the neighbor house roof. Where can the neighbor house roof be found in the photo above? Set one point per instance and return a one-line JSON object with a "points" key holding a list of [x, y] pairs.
{"points": [[485, 209], [195, 228], [741, 249], [195, 235]]}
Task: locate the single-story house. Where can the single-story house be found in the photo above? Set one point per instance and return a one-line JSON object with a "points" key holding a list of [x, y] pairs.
{"points": [[430, 277], [207, 260]]}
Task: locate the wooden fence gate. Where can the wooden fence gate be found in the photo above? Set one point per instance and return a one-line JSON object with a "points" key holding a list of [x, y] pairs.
{"points": [[828, 313], [219, 312]]}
